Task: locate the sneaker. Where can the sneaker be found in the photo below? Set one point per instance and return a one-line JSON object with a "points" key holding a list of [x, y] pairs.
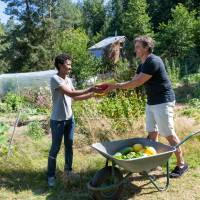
{"points": [[179, 171], [51, 181]]}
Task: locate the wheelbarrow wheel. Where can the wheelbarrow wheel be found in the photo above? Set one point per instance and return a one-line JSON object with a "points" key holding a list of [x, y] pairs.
{"points": [[113, 185]]}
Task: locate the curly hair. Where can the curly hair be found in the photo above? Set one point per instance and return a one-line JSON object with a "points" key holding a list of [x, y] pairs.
{"points": [[146, 42], [60, 59]]}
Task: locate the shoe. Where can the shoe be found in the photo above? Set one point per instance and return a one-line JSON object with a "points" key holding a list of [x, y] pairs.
{"points": [[179, 171], [51, 181]]}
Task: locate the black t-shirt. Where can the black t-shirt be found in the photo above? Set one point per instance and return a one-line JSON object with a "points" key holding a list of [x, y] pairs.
{"points": [[158, 87]]}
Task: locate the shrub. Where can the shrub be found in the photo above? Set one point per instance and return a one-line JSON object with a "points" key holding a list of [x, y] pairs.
{"points": [[35, 130], [117, 110], [13, 101], [3, 138], [24, 117]]}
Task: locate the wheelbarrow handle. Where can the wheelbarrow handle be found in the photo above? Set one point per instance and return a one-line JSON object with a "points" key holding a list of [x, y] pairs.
{"points": [[187, 138]]}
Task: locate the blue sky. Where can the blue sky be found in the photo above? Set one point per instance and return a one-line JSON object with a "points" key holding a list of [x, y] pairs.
{"points": [[3, 16]]}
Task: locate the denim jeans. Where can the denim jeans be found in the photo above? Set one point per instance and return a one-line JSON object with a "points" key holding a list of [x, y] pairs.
{"points": [[59, 129]]}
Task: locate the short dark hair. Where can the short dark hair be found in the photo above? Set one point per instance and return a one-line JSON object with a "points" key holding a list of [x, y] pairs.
{"points": [[60, 59], [146, 42]]}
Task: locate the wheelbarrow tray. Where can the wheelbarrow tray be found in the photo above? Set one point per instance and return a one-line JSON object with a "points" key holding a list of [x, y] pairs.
{"points": [[108, 149]]}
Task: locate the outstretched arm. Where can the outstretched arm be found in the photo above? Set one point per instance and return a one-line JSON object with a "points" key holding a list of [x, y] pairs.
{"points": [[74, 93], [138, 80], [84, 96]]}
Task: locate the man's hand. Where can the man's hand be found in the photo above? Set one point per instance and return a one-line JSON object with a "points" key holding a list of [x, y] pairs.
{"points": [[107, 87], [96, 89]]}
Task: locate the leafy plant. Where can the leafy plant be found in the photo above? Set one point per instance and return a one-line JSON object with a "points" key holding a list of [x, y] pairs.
{"points": [[5, 108], [173, 69], [192, 110], [117, 110], [35, 130], [3, 138], [14, 101], [180, 29], [23, 119], [191, 79], [3, 128]]}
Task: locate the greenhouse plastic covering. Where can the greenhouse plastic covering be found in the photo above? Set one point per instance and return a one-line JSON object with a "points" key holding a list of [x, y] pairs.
{"points": [[18, 81]]}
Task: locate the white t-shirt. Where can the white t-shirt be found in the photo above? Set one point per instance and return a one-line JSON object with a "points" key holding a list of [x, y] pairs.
{"points": [[61, 108]]}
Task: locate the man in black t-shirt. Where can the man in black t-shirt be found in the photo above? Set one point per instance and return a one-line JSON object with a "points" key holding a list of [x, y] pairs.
{"points": [[160, 97]]}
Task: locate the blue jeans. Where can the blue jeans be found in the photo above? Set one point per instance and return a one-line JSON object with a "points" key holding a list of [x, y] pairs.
{"points": [[59, 129]]}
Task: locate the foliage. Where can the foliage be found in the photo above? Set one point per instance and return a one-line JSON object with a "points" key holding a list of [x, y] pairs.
{"points": [[173, 70], [122, 71], [135, 19], [191, 79], [123, 104], [67, 15], [3, 128], [3, 138], [192, 110], [4, 108], [44, 26], [31, 41], [75, 43], [186, 92], [118, 109], [3, 64], [177, 36], [13, 101], [35, 130], [23, 120], [116, 10], [94, 16]]}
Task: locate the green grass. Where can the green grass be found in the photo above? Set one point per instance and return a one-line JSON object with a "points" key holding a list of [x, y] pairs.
{"points": [[23, 175]]}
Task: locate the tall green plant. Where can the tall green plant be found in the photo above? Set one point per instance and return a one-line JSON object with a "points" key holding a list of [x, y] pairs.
{"points": [[176, 38], [74, 42]]}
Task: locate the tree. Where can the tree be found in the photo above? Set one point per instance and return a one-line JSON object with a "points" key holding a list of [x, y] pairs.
{"points": [[115, 14], [28, 48], [67, 15], [160, 10], [3, 64], [135, 21], [74, 42], [33, 37], [94, 16], [197, 35], [176, 37]]}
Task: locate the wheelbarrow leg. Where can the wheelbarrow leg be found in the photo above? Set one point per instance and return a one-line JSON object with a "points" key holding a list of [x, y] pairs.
{"points": [[106, 165], [113, 172], [113, 169], [152, 180]]}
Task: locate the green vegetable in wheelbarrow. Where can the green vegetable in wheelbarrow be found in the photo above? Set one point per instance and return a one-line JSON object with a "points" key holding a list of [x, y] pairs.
{"points": [[118, 155], [137, 151], [126, 150]]}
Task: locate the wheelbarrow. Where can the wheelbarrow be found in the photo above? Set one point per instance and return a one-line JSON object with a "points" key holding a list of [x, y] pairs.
{"points": [[108, 183]]}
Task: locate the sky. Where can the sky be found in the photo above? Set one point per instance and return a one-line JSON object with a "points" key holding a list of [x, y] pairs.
{"points": [[3, 17]]}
